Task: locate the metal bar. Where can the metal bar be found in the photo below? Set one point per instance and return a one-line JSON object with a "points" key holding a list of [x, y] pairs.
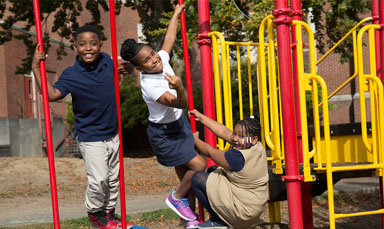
{"points": [[117, 94], [239, 82], [187, 65], [305, 186], [47, 119], [375, 21], [381, 31], [189, 83], [206, 70], [381, 211], [288, 113], [343, 38]]}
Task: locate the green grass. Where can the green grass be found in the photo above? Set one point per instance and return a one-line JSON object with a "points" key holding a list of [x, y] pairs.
{"points": [[163, 214], [158, 215]]}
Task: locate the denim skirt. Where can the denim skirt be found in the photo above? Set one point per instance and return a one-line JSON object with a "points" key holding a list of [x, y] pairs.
{"points": [[173, 142]]}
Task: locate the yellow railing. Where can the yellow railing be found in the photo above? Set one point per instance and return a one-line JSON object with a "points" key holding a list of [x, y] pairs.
{"points": [[367, 83], [269, 96], [222, 76], [308, 82], [353, 32]]}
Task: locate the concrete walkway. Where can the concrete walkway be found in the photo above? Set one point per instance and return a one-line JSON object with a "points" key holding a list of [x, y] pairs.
{"points": [[39, 210]]}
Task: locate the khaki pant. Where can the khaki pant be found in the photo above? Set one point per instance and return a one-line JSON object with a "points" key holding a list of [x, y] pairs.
{"points": [[102, 164]]}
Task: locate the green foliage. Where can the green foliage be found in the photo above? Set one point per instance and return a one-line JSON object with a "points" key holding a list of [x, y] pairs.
{"points": [[69, 116], [134, 111], [237, 20], [64, 13], [333, 22]]}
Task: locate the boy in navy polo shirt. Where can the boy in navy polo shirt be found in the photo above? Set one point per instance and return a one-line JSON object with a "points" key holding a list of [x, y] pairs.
{"points": [[90, 81]]}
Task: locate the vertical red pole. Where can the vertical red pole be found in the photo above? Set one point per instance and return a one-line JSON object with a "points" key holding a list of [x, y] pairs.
{"points": [[206, 70], [187, 66], [292, 177], [117, 93], [377, 12], [375, 20], [305, 186], [381, 22], [47, 118], [189, 84]]}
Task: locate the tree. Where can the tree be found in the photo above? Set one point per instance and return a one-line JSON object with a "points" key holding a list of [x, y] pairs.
{"points": [[65, 15], [334, 20]]}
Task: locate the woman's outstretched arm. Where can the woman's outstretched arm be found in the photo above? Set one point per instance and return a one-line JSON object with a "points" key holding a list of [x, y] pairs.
{"points": [[217, 128]]}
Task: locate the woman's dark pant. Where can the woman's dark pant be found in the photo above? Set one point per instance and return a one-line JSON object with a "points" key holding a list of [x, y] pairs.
{"points": [[199, 186]]}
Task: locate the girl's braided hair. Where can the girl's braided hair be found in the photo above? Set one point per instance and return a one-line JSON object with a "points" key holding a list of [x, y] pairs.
{"points": [[251, 126], [129, 50]]}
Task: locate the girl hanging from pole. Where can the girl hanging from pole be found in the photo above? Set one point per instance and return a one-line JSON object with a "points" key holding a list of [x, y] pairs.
{"points": [[168, 130]]}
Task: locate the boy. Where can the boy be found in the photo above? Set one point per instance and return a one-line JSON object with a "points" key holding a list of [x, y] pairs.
{"points": [[90, 81]]}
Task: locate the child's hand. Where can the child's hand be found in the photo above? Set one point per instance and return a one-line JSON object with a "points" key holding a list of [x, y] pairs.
{"points": [[37, 57], [174, 81], [196, 135], [125, 68], [195, 113], [179, 9]]}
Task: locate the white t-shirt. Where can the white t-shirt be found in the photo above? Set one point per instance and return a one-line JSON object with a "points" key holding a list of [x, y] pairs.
{"points": [[152, 87]]}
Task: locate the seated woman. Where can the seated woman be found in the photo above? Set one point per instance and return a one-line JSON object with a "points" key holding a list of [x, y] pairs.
{"points": [[235, 193]]}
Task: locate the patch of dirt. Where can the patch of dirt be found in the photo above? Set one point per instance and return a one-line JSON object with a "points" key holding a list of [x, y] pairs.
{"points": [[23, 179]]}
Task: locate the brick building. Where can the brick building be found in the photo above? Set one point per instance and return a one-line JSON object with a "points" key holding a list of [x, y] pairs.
{"points": [[21, 99]]}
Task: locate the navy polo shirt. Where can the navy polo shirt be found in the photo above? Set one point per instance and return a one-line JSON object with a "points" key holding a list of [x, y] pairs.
{"points": [[93, 98]]}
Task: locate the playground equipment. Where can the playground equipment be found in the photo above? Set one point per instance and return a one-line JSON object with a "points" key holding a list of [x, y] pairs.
{"points": [[298, 170], [285, 126], [47, 115]]}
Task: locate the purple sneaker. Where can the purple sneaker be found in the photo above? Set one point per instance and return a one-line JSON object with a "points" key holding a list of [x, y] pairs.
{"points": [[191, 224], [181, 207]]}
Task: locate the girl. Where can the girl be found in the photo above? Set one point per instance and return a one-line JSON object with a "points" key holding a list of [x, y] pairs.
{"points": [[234, 193], [168, 130]]}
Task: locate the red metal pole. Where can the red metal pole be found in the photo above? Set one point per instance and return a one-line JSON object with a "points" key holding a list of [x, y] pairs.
{"points": [[381, 22], [47, 118], [187, 66], [375, 20], [206, 70], [377, 11], [189, 84], [117, 93], [292, 177], [305, 186]]}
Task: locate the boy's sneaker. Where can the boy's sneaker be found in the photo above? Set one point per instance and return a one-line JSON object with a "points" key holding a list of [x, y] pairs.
{"points": [[110, 215], [212, 225], [191, 224], [99, 220], [181, 207]]}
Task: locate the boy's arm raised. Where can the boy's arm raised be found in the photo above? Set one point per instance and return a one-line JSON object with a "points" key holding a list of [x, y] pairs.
{"points": [[170, 36], [53, 93]]}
